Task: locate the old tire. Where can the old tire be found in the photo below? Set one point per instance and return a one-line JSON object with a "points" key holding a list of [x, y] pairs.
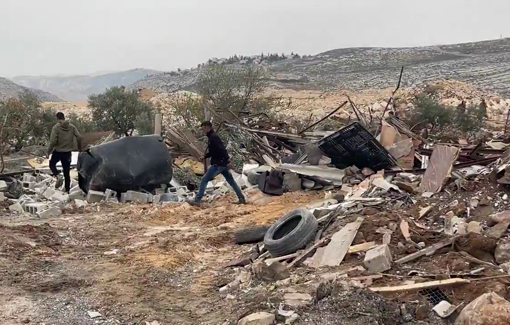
{"points": [[291, 233], [250, 235]]}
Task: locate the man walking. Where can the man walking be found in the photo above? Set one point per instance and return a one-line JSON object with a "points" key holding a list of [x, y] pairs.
{"points": [[220, 163], [61, 145]]}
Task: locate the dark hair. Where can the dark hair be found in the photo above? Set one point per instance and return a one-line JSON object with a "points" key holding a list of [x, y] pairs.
{"points": [[206, 123], [60, 116]]}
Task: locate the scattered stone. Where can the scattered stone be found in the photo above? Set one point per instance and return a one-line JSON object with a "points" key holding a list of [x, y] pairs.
{"points": [[378, 259], [80, 203], [296, 299], [60, 197], [408, 187], [94, 314], [502, 252], [307, 184], [48, 193], [291, 182], [2, 197], [273, 272], [505, 267], [498, 230], [261, 318], [488, 309], [95, 196], [408, 177], [109, 194], [367, 172], [474, 226], [77, 195], [339, 197]]}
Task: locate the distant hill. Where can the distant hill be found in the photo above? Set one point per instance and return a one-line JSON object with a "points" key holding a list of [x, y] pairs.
{"points": [[75, 88], [10, 89], [486, 64]]}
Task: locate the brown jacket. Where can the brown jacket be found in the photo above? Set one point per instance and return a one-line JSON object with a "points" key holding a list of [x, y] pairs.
{"points": [[62, 138]]}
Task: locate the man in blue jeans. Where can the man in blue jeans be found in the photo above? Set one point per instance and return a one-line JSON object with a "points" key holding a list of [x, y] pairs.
{"points": [[220, 164]]}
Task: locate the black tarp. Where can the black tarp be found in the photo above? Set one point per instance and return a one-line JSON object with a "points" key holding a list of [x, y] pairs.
{"points": [[130, 163]]}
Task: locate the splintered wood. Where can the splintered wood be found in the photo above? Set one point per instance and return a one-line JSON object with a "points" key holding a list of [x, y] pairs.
{"points": [[439, 168], [333, 254]]}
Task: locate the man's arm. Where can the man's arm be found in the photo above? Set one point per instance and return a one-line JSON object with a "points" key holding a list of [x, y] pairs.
{"points": [[78, 139], [53, 140]]}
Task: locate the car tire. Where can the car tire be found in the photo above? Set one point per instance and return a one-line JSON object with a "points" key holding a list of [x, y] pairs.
{"points": [[250, 235], [291, 233]]}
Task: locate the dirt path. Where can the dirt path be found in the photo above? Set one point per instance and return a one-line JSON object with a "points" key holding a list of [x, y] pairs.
{"points": [[131, 263]]}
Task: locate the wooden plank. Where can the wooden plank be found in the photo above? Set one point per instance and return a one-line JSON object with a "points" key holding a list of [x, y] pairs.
{"points": [[307, 252], [426, 251], [281, 258], [340, 243], [439, 168], [421, 286], [361, 247]]}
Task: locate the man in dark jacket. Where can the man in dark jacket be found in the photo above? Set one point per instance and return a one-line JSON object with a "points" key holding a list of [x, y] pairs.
{"points": [[220, 164], [61, 145]]}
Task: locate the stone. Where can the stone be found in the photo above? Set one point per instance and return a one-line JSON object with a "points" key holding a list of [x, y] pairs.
{"points": [[94, 314], [307, 184], [28, 178], [408, 177], [292, 319], [260, 318], [182, 192], [378, 259], [339, 197], [367, 172], [498, 230], [156, 198], [50, 212], [95, 196], [136, 197], [505, 267], [296, 299], [48, 193], [488, 309], [16, 207], [3, 186], [2, 197], [408, 187], [109, 194], [291, 182], [80, 203], [502, 252], [273, 272], [474, 226]]}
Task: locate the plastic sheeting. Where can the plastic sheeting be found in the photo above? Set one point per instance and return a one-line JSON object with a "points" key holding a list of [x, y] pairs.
{"points": [[130, 163]]}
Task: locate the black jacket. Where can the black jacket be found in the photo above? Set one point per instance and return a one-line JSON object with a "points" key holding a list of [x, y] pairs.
{"points": [[216, 150]]}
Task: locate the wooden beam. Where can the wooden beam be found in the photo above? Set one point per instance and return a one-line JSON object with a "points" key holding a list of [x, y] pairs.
{"points": [[421, 286]]}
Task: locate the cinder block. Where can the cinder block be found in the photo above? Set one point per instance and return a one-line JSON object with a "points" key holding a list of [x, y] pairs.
{"points": [[378, 259], [28, 178], [35, 207], [48, 193], [50, 212], [16, 207], [95, 196], [169, 197], [77, 195], [60, 197], [136, 197], [108, 194]]}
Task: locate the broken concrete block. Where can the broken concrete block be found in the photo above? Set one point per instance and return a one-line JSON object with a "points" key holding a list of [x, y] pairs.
{"points": [[29, 185], [160, 191], [274, 272], [28, 178], [60, 197], [3, 186], [50, 212], [136, 197], [182, 192], [261, 318], [16, 207], [35, 207], [48, 193], [378, 259], [80, 203], [109, 194], [169, 197], [95, 196]]}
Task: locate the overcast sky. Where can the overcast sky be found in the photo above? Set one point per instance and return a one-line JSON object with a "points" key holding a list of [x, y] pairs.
{"points": [[39, 37]]}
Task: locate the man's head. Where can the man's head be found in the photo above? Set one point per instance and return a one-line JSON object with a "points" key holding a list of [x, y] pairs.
{"points": [[206, 126], [61, 117]]}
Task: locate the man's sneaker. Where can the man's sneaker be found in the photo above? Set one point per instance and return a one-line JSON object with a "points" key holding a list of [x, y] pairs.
{"points": [[242, 201], [194, 203], [60, 182]]}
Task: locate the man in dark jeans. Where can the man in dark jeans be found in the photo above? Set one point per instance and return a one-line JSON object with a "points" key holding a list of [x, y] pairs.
{"points": [[61, 145], [220, 163]]}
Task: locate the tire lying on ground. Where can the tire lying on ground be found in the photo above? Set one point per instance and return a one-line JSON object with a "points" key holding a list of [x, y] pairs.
{"points": [[250, 235], [291, 233]]}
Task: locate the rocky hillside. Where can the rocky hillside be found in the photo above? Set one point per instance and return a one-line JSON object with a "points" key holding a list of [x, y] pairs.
{"points": [[485, 64], [75, 88], [10, 89]]}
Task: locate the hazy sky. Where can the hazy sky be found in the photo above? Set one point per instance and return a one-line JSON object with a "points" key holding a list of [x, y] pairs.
{"points": [[83, 36]]}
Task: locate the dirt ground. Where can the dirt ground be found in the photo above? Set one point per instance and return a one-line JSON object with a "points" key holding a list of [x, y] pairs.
{"points": [[134, 264]]}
